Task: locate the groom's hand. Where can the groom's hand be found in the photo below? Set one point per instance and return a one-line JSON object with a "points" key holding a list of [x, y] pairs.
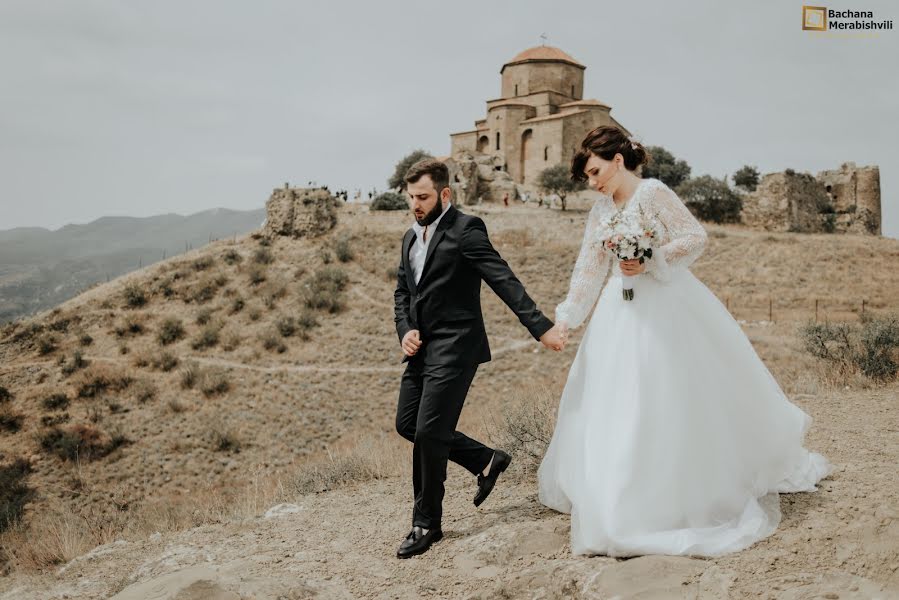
{"points": [[553, 338], [411, 342]]}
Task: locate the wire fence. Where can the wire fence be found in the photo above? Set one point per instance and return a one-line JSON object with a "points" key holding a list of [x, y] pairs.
{"points": [[819, 310]]}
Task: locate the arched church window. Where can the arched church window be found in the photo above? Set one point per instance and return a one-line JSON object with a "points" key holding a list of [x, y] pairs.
{"points": [[497, 140], [546, 153]]}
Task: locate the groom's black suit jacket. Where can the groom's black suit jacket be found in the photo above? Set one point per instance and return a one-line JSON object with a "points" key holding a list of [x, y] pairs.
{"points": [[445, 305]]}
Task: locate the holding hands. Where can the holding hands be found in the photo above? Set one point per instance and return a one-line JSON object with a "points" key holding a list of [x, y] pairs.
{"points": [[556, 337]]}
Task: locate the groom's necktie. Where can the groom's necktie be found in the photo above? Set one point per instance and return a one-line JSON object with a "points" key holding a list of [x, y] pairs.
{"points": [[424, 235]]}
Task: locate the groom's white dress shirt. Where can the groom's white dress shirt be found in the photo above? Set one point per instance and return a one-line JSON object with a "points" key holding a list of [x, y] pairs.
{"points": [[419, 249]]}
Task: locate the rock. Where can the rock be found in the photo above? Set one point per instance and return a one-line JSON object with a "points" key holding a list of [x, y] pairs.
{"points": [[280, 510], [300, 212]]}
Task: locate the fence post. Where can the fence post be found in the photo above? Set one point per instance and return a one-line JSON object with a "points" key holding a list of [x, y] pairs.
{"points": [[863, 307], [770, 310], [816, 310]]}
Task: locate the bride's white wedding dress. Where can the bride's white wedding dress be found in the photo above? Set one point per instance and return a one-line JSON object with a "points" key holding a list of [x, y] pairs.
{"points": [[672, 436]]}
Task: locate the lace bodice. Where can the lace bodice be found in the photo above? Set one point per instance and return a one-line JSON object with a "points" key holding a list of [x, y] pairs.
{"points": [[681, 240]]}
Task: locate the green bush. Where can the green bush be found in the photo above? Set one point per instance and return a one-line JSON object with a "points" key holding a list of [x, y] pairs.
{"points": [[711, 199], [5, 394], [134, 296], [869, 347], [207, 338], [263, 256], [170, 331], [324, 289], [232, 257], [256, 274], [57, 401], [342, 250], [9, 421], [202, 263], [389, 201]]}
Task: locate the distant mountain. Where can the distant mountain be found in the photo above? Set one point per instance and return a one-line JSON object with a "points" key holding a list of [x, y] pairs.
{"points": [[40, 268]]}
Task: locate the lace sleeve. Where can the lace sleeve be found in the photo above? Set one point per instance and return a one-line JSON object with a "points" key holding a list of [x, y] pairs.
{"points": [[686, 235], [590, 270]]}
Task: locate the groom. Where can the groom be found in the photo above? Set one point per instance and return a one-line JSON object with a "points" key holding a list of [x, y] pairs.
{"points": [[445, 255]]}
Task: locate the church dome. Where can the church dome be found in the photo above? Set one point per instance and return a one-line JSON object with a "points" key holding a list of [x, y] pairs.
{"points": [[542, 54]]}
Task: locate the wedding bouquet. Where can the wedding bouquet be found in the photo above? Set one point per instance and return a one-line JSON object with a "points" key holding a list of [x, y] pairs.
{"points": [[629, 235]]}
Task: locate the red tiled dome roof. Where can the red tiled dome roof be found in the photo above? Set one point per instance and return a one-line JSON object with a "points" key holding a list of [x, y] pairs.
{"points": [[543, 53]]}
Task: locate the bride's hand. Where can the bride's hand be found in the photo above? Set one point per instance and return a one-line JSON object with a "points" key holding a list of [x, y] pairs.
{"points": [[632, 267]]}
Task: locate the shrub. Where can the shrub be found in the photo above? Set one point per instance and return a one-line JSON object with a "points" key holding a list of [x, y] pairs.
{"points": [[389, 201], [14, 493], [237, 305], [263, 256], [224, 439], [526, 427], [230, 341], [99, 380], [203, 291], [131, 326], [75, 364], [165, 361], [144, 391], [170, 331], [51, 420], [5, 394], [204, 316], [57, 401], [665, 166], [202, 263], [9, 421], [189, 375], [869, 348], [79, 442], [342, 250], [214, 383], [711, 199], [46, 344], [272, 341], [323, 290], [134, 296], [85, 339], [256, 274], [207, 338], [286, 326], [232, 257]]}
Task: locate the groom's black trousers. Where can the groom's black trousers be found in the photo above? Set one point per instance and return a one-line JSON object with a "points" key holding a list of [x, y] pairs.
{"points": [[430, 402]]}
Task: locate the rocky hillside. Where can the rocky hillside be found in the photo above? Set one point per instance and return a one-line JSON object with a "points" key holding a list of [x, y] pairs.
{"points": [[196, 392]]}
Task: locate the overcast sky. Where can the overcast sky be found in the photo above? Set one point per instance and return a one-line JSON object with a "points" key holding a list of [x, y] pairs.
{"points": [[141, 108]]}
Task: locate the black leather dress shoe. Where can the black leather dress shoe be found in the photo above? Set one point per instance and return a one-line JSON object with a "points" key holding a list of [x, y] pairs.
{"points": [[501, 460], [417, 542]]}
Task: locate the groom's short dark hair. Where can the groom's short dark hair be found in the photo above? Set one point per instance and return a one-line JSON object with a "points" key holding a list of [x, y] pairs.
{"points": [[432, 167]]}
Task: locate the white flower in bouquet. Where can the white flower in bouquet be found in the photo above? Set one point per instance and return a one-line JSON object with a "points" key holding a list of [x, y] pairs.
{"points": [[629, 235]]}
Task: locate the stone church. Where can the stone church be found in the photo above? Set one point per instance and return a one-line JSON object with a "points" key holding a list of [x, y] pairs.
{"points": [[539, 119]]}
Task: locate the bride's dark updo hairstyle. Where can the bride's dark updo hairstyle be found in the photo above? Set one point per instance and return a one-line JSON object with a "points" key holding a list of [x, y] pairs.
{"points": [[605, 142]]}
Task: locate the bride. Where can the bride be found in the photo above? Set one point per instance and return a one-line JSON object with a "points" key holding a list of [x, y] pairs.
{"points": [[672, 436]]}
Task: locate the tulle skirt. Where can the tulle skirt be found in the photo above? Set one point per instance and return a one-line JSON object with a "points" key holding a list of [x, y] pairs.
{"points": [[672, 436]]}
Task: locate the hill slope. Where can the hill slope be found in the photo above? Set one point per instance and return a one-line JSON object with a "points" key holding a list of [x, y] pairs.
{"points": [[119, 438]]}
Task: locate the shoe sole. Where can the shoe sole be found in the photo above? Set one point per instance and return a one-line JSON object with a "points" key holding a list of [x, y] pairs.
{"points": [[423, 550]]}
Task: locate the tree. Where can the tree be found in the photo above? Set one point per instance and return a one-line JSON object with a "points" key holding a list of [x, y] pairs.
{"points": [[557, 180], [396, 181], [664, 166], [747, 178], [389, 201], [711, 199]]}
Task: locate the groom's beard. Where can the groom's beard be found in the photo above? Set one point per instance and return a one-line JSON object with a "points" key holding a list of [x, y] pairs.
{"points": [[431, 215]]}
